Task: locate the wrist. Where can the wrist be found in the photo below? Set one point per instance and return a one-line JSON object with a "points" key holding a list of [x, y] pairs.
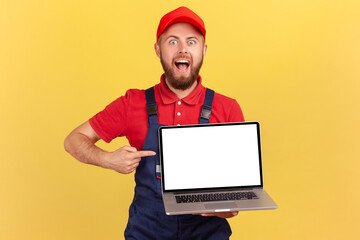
{"points": [[104, 159]]}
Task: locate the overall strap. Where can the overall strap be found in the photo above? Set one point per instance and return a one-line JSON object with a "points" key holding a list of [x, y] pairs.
{"points": [[151, 106], [207, 107]]}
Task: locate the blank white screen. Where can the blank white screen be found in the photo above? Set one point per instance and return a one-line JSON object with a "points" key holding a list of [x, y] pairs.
{"points": [[207, 157]]}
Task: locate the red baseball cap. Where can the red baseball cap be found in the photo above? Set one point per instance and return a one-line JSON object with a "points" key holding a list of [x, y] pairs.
{"points": [[181, 14]]}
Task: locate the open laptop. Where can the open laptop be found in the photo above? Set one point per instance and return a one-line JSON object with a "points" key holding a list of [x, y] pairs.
{"points": [[212, 168]]}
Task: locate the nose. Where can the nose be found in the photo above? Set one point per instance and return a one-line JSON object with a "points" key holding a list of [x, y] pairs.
{"points": [[183, 48]]}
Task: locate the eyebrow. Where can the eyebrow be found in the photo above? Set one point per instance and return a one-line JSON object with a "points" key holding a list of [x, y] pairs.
{"points": [[172, 36]]}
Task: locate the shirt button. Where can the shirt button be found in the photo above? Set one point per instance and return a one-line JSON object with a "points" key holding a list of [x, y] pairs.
{"points": [[178, 113], [179, 102]]}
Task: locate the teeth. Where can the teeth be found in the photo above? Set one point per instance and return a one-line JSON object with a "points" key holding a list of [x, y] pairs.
{"points": [[182, 61]]}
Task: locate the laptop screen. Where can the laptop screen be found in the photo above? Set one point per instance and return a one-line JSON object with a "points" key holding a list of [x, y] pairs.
{"points": [[210, 156]]}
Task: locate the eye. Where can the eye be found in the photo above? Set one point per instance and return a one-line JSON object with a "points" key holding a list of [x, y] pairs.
{"points": [[173, 42], [191, 42]]}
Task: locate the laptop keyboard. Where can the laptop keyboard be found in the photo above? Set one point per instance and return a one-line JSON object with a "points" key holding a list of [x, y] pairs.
{"points": [[209, 197]]}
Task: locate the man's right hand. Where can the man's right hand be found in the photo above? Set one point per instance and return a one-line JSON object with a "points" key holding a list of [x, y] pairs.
{"points": [[126, 159]]}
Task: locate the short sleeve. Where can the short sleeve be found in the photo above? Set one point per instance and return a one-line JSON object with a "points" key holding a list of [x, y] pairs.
{"points": [[236, 114], [111, 122]]}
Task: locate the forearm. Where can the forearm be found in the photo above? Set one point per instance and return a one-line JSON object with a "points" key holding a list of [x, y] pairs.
{"points": [[84, 150]]}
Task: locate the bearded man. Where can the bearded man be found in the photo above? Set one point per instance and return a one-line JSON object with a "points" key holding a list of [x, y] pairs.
{"points": [[177, 100]]}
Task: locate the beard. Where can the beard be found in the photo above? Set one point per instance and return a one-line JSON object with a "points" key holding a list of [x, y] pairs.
{"points": [[181, 83]]}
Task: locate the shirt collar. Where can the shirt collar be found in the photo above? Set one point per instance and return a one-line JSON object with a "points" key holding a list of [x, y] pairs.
{"points": [[168, 97]]}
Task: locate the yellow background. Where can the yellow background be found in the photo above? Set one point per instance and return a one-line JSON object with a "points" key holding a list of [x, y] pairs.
{"points": [[292, 65]]}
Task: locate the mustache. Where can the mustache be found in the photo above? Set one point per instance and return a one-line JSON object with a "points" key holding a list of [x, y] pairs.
{"points": [[182, 56]]}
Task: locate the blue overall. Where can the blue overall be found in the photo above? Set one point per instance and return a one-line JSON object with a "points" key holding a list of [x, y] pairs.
{"points": [[147, 218]]}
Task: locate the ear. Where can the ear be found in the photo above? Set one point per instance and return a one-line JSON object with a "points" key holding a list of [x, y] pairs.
{"points": [[204, 50], [157, 49]]}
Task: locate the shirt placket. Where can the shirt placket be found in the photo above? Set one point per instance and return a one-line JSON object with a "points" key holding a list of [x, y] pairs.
{"points": [[179, 111]]}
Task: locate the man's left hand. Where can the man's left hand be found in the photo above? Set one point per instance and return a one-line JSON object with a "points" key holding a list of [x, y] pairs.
{"points": [[220, 214]]}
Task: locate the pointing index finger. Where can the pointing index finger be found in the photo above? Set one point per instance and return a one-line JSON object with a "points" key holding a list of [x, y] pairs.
{"points": [[144, 153]]}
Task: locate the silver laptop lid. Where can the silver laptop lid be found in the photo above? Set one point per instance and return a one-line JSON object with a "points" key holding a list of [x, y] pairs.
{"points": [[210, 156]]}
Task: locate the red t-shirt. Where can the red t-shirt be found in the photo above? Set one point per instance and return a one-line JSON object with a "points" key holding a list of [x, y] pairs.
{"points": [[127, 115]]}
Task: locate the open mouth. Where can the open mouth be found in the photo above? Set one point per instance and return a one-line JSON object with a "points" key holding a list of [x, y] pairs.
{"points": [[182, 65]]}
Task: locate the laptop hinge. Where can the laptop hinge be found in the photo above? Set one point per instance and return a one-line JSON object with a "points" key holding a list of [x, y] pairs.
{"points": [[216, 190]]}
